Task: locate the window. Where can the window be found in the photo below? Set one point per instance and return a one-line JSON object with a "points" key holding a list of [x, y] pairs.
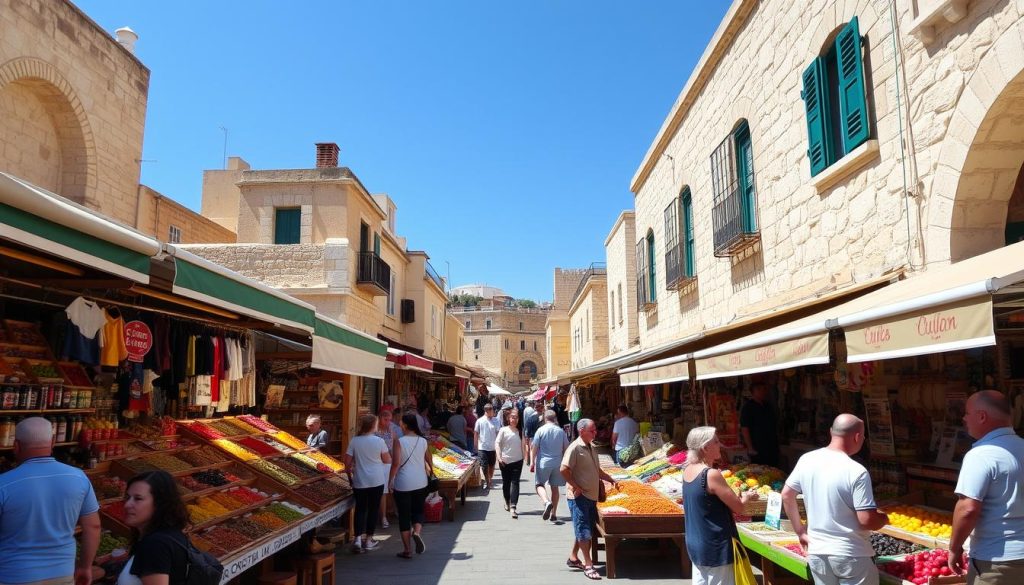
{"points": [[534, 346], [673, 252], [174, 235], [620, 304], [469, 325], [646, 293], [487, 324], [391, 295], [732, 179], [586, 329], [611, 307], [835, 100], [286, 225], [433, 320], [689, 268], [520, 325], [506, 344], [476, 344]]}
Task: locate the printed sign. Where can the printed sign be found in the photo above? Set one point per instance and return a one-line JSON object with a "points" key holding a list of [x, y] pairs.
{"points": [[138, 340], [773, 515]]}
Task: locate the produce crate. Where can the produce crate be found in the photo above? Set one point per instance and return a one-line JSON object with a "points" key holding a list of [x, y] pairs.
{"points": [[625, 524]]}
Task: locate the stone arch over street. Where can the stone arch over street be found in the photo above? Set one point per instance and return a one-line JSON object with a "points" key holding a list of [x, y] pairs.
{"points": [[981, 157], [53, 126]]}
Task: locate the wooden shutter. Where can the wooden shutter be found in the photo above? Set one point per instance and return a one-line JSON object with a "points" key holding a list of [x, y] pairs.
{"points": [[641, 272], [745, 177], [815, 94], [686, 200], [286, 226], [853, 104]]}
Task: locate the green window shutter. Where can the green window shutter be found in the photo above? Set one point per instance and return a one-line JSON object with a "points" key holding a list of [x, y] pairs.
{"points": [[376, 244], [652, 288], [745, 174], [853, 104], [286, 225], [688, 256], [815, 94]]}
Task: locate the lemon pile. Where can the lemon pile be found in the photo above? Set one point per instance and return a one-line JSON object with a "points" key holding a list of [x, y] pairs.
{"points": [[921, 521]]}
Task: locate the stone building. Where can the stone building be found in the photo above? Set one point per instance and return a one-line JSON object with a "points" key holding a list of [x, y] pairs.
{"points": [[505, 339], [886, 138], [621, 280], [557, 331], [588, 317]]}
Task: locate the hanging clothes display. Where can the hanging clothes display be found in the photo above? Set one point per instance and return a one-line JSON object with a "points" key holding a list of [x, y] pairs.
{"points": [[82, 340], [113, 350]]}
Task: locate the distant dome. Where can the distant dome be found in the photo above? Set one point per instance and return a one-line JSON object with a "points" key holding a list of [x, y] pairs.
{"points": [[478, 290]]}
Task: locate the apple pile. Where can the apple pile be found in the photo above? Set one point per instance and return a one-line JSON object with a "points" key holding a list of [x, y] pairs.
{"points": [[919, 568]]}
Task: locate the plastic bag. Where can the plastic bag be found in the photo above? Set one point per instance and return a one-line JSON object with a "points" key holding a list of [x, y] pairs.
{"points": [[743, 572]]}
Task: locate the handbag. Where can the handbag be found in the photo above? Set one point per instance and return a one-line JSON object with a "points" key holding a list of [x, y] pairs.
{"points": [[202, 568], [742, 571], [433, 484]]}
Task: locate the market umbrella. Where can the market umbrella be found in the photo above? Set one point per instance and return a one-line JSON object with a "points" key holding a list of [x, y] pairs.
{"points": [[574, 408], [497, 390], [539, 394]]}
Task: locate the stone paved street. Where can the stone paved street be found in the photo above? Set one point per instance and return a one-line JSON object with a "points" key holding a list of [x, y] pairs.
{"points": [[485, 545]]}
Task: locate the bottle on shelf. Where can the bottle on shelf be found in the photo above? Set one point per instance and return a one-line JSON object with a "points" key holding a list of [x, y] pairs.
{"points": [[6, 432], [65, 399], [62, 428]]}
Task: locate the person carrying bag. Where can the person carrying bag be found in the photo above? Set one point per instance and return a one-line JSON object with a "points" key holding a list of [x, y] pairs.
{"points": [[411, 484]]}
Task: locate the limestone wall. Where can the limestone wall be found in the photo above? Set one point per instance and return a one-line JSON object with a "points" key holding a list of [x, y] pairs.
{"points": [[621, 281], [588, 323], [158, 213]]}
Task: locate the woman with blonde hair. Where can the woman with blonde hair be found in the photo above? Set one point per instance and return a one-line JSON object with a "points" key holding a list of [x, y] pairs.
{"points": [[364, 463], [709, 505]]}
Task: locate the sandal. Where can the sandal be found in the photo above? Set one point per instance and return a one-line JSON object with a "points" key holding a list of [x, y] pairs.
{"points": [[515, 514], [591, 573], [574, 564], [404, 555]]}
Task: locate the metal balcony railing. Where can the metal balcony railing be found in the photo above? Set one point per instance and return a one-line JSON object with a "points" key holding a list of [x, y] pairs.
{"points": [[734, 228], [375, 271], [434, 276], [596, 269]]}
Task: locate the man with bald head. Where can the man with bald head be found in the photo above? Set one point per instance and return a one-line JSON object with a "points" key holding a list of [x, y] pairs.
{"points": [[841, 510], [41, 501], [991, 495]]}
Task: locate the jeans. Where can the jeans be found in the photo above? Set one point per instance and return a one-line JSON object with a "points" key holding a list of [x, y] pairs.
{"points": [[838, 570], [367, 509], [584, 513], [510, 473], [410, 507]]}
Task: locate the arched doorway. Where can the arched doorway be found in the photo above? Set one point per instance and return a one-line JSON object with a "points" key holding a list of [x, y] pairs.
{"points": [[527, 372]]}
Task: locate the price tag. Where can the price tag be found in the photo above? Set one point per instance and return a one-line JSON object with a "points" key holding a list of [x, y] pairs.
{"points": [[773, 515]]}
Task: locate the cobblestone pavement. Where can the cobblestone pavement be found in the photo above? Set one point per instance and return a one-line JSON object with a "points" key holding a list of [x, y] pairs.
{"points": [[485, 545]]}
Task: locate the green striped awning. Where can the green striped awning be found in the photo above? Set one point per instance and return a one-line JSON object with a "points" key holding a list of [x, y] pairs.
{"points": [[339, 348]]}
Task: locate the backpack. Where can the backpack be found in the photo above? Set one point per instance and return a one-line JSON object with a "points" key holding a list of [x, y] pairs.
{"points": [[202, 568]]}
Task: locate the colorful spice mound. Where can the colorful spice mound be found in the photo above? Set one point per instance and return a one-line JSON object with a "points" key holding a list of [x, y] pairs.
{"points": [[205, 509], [289, 440], [275, 444], [248, 496], [331, 463], [309, 462], [257, 422], [205, 431], [248, 527], [243, 426], [236, 450], [323, 492], [258, 446], [207, 546], [226, 538], [284, 512], [108, 487], [268, 520], [640, 499], [275, 472], [109, 542], [228, 501], [168, 463], [201, 457], [139, 465], [297, 469], [224, 427], [114, 510]]}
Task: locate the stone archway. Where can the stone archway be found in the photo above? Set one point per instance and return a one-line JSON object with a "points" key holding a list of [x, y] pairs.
{"points": [[41, 114], [980, 158]]}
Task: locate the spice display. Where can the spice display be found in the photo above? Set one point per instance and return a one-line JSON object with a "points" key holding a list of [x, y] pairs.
{"points": [[207, 546], [108, 487], [235, 449], [284, 512], [168, 463], [109, 542], [258, 423], [46, 371], [275, 444], [639, 498], [226, 538], [310, 463], [243, 427], [202, 456], [115, 510], [139, 465], [247, 496], [276, 472], [24, 334], [75, 375], [258, 447], [247, 527], [268, 520], [323, 492], [290, 440], [204, 431], [228, 501], [205, 509], [792, 546], [295, 468], [331, 463]]}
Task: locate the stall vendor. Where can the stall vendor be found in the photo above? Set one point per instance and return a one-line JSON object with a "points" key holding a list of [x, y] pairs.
{"points": [[759, 425], [317, 436]]}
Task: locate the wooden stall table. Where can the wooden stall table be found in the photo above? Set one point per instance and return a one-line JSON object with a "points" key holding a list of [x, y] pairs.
{"points": [[449, 489], [613, 528], [778, 565]]}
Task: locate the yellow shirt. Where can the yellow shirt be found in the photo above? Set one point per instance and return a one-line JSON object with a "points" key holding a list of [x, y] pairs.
{"points": [[113, 350]]}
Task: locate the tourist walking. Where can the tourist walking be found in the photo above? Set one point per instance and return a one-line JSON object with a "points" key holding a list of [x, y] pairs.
{"points": [[510, 447], [548, 446], [583, 475], [157, 516], [364, 463], [530, 423], [409, 479], [482, 400], [841, 510], [41, 501], [990, 508], [389, 432], [486, 432], [710, 504], [624, 431], [317, 436]]}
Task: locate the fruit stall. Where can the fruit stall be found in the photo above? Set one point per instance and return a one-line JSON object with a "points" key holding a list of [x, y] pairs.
{"points": [[455, 468], [249, 488], [635, 509]]}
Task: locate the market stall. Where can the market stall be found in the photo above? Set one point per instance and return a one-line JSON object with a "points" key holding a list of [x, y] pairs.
{"points": [[455, 469]]}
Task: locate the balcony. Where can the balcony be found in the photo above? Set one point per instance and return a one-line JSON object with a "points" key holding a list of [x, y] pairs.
{"points": [[734, 222], [373, 275], [434, 276], [596, 269]]}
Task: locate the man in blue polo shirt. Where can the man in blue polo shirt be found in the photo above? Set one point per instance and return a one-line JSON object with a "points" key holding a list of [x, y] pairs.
{"points": [[991, 496], [41, 501]]}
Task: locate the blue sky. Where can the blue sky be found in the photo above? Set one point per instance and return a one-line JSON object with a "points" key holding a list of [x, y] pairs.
{"points": [[506, 132]]}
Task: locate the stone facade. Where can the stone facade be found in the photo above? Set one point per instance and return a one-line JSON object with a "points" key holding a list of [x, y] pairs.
{"points": [[557, 332], [946, 137], [505, 340], [159, 214], [588, 321], [621, 279], [72, 106]]}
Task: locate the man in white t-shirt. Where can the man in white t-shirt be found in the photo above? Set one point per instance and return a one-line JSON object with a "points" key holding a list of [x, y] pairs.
{"points": [[624, 431], [841, 510], [486, 431]]}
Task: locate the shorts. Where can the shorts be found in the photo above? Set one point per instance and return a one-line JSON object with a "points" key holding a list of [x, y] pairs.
{"points": [[489, 458], [549, 474], [840, 570], [722, 575], [995, 572], [584, 513]]}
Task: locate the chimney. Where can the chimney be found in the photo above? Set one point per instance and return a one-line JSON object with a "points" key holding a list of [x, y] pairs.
{"points": [[326, 155], [126, 37]]}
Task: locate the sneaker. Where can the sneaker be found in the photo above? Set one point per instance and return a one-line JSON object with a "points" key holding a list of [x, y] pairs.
{"points": [[553, 518], [370, 544], [385, 524], [418, 541], [483, 486], [547, 511]]}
